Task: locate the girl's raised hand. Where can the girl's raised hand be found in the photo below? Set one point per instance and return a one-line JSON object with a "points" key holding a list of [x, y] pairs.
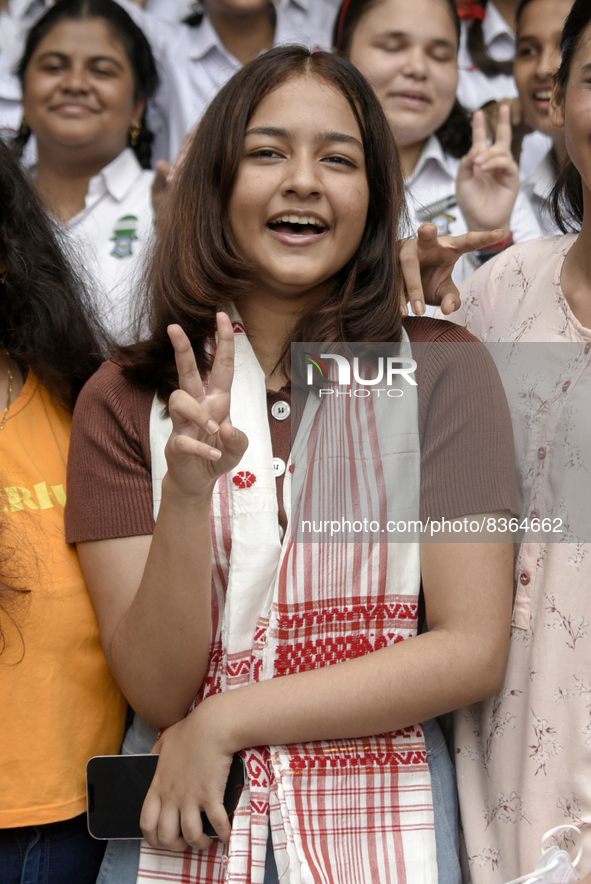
{"points": [[488, 178], [203, 444]]}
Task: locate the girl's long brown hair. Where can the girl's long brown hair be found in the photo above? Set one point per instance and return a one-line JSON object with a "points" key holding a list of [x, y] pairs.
{"points": [[197, 266]]}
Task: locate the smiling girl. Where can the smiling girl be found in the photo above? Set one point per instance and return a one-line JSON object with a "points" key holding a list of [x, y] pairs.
{"points": [[539, 29], [87, 72], [408, 52], [284, 215]]}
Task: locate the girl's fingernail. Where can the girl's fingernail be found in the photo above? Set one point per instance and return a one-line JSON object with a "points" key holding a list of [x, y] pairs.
{"points": [[212, 426], [418, 308], [215, 453]]}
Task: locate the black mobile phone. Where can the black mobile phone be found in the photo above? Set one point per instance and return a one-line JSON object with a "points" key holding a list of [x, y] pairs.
{"points": [[116, 786]]}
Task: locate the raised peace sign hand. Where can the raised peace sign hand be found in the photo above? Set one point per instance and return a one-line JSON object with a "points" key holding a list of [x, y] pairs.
{"points": [[488, 178], [203, 444]]}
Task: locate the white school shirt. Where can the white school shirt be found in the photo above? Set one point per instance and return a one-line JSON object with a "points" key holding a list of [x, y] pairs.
{"points": [[474, 88], [14, 26], [431, 196], [537, 189], [110, 236], [194, 64]]}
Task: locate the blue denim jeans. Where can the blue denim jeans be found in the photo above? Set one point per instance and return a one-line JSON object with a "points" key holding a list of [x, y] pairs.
{"points": [[55, 853], [445, 804]]}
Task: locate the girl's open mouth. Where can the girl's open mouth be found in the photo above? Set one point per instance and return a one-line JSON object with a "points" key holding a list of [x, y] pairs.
{"points": [[299, 229]]}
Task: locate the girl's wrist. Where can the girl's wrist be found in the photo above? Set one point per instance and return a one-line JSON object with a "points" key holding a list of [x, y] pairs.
{"points": [[488, 252], [224, 725]]}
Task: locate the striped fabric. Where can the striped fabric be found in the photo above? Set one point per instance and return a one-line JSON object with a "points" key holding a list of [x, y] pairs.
{"points": [[342, 811]]}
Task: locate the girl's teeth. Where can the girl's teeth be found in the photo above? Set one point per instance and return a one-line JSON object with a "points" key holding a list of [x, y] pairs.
{"points": [[300, 219]]}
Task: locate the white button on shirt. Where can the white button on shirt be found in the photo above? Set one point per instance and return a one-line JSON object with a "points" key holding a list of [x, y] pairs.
{"points": [[281, 410], [474, 88], [278, 466], [430, 190], [109, 238], [194, 64]]}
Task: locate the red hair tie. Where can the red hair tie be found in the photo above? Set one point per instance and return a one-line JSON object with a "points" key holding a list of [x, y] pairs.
{"points": [[341, 23], [470, 9]]}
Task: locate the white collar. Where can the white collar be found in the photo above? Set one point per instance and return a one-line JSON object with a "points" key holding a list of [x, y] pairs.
{"points": [[18, 9], [434, 151], [204, 37], [543, 178], [120, 175], [494, 25]]}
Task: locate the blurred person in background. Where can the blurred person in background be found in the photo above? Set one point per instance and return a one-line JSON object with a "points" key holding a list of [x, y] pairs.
{"points": [[539, 29], [86, 73], [408, 52], [197, 57], [16, 17]]}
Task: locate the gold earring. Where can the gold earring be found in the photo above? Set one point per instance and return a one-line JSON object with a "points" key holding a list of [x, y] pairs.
{"points": [[134, 134], [24, 130], [3, 277]]}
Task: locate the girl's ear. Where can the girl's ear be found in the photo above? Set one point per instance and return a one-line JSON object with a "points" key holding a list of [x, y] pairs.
{"points": [[138, 112], [556, 106]]}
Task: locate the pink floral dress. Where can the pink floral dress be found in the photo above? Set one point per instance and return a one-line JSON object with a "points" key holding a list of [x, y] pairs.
{"points": [[524, 757]]}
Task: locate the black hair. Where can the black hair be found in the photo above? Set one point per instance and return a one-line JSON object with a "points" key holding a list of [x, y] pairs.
{"points": [[47, 324], [134, 42], [479, 53], [455, 135], [195, 18], [567, 196]]}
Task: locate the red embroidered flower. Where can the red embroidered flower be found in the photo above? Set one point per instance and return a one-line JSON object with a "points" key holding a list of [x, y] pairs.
{"points": [[244, 479]]}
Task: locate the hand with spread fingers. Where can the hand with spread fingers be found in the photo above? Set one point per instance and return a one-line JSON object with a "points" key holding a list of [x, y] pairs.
{"points": [[488, 178], [203, 444], [428, 262], [191, 777]]}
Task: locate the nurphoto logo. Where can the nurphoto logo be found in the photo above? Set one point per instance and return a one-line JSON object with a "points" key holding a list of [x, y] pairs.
{"points": [[387, 371]]}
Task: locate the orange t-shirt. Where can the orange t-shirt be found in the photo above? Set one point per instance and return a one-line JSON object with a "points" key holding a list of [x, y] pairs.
{"points": [[59, 704]]}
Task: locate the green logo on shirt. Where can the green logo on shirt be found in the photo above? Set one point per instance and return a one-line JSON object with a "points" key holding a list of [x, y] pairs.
{"points": [[124, 235]]}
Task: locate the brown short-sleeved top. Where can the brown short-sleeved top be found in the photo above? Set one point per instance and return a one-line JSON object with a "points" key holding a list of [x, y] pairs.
{"points": [[467, 459]]}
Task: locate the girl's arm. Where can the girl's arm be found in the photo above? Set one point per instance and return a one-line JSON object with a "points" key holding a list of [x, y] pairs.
{"points": [[152, 596], [468, 595]]}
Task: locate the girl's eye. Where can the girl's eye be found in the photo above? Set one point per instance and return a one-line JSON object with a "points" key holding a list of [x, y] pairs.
{"points": [[52, 68], [442, 55], [390, 46], [265, 153], [340, 161], [104, 72]]}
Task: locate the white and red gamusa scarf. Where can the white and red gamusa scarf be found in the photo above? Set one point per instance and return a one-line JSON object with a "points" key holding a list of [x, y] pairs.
{"points": [[341, 811]]}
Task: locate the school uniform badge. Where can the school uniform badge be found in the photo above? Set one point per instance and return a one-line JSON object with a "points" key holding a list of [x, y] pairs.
{"points": [[124, 235]]}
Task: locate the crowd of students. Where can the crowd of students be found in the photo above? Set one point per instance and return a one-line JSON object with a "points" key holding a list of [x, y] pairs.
{"points": [[185, 191]]}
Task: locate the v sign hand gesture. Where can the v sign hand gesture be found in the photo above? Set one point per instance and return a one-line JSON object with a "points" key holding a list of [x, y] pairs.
{"points": [[488, 178], [203, 444]]}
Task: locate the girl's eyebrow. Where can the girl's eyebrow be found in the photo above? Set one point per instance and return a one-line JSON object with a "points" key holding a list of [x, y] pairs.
{"points": [[63, 57], [322, 137]]}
